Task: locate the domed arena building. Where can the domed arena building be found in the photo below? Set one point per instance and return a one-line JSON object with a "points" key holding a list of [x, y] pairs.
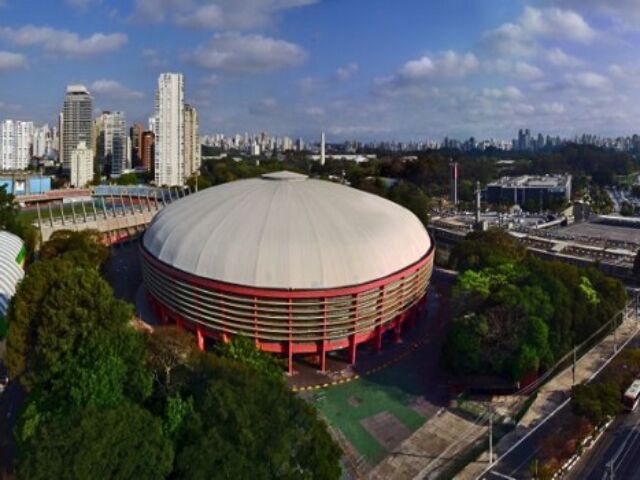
{"points": [[301, 266]]}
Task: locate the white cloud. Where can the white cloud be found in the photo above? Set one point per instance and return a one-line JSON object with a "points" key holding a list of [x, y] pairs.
{"points": [[63, 42], [626, 12], [266, 106], [559, 58], [346, 72], [236, 52], [81, 4], [509, 93], [526, 71], [219, 14], [590, 80], [153, 59], [553, 108], [114, 90], [446, 64], [12, 61], [520, 38], [212, 80]]}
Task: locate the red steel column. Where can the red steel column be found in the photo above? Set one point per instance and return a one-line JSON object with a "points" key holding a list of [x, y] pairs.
{"points": [[256, 339], [323, 343], [353, 346], [378, 338], [398, 327], [290, 347], [200, 337]]}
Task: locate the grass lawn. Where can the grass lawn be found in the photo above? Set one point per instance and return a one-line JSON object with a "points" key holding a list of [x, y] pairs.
{"points": [[344, 406]]}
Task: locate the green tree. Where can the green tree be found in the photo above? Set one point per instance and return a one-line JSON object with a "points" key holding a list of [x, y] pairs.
{"points": [[124, 442], [127, 179], [596, 402], [83, 247], [486, 249], [8, 209], [58, 308], [248, 425], [243, 350]]}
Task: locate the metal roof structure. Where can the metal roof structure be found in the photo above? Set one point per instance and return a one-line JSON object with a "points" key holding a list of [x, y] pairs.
{"points": [[11, 272], [286, 231]]}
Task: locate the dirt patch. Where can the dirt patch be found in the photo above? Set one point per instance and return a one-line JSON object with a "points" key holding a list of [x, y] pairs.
{"points": [[386, 429]]}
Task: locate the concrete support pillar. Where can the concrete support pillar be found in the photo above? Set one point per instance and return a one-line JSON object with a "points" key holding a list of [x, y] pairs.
{"points": [[397, 329]]}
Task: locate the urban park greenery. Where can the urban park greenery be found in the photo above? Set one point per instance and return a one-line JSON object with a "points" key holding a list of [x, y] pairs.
{"points": [[107, 401], [515, 314]]}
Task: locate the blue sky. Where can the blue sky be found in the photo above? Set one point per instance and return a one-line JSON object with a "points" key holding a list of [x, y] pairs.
{"points": [[367, 69]]}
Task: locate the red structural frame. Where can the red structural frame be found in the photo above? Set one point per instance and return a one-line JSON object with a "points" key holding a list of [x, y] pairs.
{"points": [[291, 347]]}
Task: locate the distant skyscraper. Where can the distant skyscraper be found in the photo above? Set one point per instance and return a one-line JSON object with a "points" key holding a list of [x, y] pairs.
{"points": [[112, 141], [169, 130], [322, 149], [81, 165], [148, 151], [136, 144], [16, 139], [77, 122], [192, 147], [41, 141]]}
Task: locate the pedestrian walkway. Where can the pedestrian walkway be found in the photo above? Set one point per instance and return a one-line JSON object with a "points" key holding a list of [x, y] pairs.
{"points": [[556, 391]]}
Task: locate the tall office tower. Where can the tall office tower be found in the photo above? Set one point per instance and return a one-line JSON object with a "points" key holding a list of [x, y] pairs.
{"points": [[147, 151], [77, 122], [16, 139], [322, 149], [81, 165], [169, 130], [112, 142], [192, 148], [41, 140], [136, 144], [127, 153]]}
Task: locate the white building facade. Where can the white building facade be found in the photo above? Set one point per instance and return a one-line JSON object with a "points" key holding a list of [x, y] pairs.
{"points": [[16, 141], [112, 141], [81, 171], [169, 130]]}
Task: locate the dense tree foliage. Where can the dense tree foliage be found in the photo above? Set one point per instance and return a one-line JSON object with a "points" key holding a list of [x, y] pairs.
{"points": [[596, 402], [85, 247], [122, 442], [11, 221], [516, 314], [108, 402], [248, 425], [486, 249]]}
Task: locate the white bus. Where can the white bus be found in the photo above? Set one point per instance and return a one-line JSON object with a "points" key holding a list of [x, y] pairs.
{"points": [[632, 396]]}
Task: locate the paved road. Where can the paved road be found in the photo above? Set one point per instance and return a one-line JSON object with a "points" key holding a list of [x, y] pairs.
{"points": [[517, 463], [620, 444]]}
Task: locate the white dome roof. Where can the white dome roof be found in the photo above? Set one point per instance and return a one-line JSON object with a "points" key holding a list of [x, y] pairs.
{"points": [[11, 272], [286, 231]]}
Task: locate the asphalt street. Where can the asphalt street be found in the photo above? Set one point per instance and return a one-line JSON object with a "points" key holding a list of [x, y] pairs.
{"points": [[616, 455]]}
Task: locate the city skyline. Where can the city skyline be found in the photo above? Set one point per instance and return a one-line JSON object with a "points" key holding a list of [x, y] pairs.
{"points": [[298, 67]]}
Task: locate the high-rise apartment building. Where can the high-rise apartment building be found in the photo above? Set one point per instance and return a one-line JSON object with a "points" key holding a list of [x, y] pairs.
{"points": [[147, 151], [169, 130], [192, 148], [112, 142], [42, 141], [135, 133], [76, 122], [81, 165], [16, 140]]}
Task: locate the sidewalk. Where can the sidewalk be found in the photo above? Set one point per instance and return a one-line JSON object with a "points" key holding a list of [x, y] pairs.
{"points": [[553, 393]]}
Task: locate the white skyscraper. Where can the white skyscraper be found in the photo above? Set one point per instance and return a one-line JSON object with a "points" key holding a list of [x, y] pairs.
{"points": [[41, 141], [81, 165], [192, 147], [112, 141], [322, 149], [169, 130], [16, 140]]}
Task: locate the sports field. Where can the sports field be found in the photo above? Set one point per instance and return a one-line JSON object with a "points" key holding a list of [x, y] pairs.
{"points": [[375, 413]]}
